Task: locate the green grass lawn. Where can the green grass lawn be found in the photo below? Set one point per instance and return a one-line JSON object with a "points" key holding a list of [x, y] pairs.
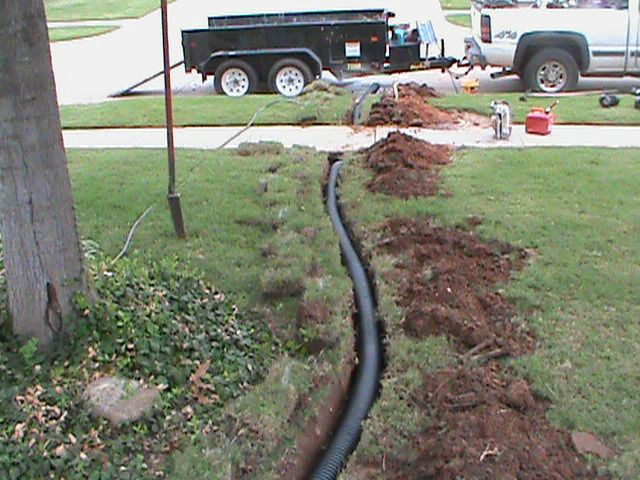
{"points": [[258, 231], [214, 110], [63, 34], [69, 10], [579, 210], [455, 4], [462, 19], [579, 109]]}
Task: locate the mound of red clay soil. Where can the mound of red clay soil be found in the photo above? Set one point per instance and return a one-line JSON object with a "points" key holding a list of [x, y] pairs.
{"points": [[411, 109], [488, 427], [405, 166], [448, 285]]}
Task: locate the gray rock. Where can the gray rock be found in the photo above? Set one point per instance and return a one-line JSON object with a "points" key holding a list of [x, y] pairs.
{"points": [[119, 400], [589, 443]]}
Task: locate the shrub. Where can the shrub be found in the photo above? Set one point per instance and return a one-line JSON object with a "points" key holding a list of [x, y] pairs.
{"points": [[159, 324]]}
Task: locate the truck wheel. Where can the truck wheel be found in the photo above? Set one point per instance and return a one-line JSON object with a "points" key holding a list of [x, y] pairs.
{"points": [[551, 70], [235, 78], [289, 76]]}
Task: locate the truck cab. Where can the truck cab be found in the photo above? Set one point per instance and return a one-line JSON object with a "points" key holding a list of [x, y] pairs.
{"points": [[550, 43]]}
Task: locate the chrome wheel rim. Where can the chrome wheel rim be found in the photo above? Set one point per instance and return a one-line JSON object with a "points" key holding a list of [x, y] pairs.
{"points": [[235, 82], [552, 76], [290, 81]]}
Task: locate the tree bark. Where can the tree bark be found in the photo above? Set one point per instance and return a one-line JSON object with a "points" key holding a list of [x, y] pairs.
{"points": [[42, 254]]}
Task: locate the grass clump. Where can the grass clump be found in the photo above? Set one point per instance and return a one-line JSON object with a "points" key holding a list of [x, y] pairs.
{"points": [[75, 33], [460, 19], [69, 10], [455, 4], [159, 324]]}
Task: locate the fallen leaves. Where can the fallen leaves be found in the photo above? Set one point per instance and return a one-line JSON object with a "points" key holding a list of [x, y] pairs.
{"points": [[18, 432], [204, 393]]}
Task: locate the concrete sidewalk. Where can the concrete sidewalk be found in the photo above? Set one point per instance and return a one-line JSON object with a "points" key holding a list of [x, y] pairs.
{"points": [[335, 138]]}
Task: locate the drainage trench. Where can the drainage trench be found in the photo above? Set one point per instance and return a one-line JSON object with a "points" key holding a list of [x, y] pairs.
{"points": [[366, 380]]}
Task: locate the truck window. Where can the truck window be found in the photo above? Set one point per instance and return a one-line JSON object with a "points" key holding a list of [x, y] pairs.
{"points": [[590, 4]]}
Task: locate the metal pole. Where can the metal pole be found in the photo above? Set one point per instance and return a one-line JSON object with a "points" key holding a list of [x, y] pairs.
{"points": [[173, 197]]}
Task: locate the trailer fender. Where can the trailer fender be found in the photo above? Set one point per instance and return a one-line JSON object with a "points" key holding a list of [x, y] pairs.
{"points": [[305, 54]]}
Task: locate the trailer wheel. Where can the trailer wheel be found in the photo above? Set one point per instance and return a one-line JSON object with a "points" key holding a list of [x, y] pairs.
{"points": [[289, 76], [235, 78], [551, 70]]}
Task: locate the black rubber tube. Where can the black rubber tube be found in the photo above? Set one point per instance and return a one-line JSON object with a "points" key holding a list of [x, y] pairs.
{"points": [[357, 107], [365, 385]]}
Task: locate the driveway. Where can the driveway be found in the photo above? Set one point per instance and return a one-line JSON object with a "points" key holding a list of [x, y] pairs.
{"points": [[90, 70]]}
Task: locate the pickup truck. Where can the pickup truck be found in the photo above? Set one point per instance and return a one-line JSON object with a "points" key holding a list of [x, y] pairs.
{"points": [[282, 52], [550, 43]]}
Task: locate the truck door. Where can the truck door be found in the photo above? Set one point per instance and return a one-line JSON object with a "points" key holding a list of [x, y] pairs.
{"points": [[634, 19], [605, 24]]}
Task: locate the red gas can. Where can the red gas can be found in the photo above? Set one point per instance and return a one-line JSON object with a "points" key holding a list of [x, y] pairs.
{"points": [[540, 121]]}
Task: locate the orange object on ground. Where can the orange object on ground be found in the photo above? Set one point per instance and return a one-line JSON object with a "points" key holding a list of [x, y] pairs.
{"points": [[470, 85], [540, 121]]}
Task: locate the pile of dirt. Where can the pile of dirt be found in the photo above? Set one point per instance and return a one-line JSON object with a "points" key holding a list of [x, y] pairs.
{"points": [[405, 166], [485, 424], [488, 426], [411, 109], [448, 284]]}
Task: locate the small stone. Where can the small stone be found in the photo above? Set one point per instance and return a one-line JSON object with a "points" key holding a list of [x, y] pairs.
{"points": [[589, 443], [263, 187], [119, 400]]}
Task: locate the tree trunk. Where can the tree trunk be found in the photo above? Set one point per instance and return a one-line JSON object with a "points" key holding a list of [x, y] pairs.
{"points": [[42, 254]]}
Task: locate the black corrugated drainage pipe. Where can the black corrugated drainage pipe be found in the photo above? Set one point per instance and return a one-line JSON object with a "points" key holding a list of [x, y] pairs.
{"points": [[364, 387], [357, 107]]}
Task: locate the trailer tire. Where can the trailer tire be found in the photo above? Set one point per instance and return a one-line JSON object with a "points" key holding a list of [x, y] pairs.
{"points": [[551, 70], [235, 78], [289, 76]]}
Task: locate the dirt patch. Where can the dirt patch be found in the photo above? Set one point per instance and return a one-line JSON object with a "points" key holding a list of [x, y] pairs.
{"points": [[481, 423], [320, 425], [311, 314], [479, 432], [411, 109], [405, 166], [448, 283]]}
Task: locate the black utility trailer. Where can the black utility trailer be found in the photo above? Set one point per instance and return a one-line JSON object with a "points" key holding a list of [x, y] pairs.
{"points": [[283, 52]]}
